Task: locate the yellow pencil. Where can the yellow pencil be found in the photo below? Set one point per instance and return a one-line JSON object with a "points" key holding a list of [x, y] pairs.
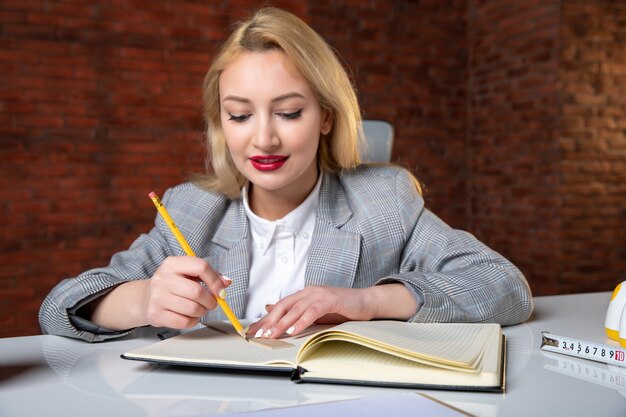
{"points": [[183, 242]]}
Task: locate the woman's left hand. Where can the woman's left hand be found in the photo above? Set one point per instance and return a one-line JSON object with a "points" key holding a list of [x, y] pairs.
{"points": [[325, 305]]}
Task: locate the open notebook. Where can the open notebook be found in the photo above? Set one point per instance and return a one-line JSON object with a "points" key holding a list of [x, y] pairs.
{"points": [[451, 356]]}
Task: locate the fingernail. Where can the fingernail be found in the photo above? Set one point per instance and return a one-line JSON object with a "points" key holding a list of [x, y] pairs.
{"points": [[290, 330], [258, 334], [267, 333], [223, 293], [226, 278]]}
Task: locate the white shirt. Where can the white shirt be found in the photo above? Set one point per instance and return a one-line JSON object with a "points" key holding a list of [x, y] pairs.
{"points": [[278, 253]]}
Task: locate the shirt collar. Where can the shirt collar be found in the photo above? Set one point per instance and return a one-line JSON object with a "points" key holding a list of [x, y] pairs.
{"points": [[263, 230]]}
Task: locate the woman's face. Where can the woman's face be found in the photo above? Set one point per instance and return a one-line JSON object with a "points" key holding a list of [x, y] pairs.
{"points": [[272, 123]]}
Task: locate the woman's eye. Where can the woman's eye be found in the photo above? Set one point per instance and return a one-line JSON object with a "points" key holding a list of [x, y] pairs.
{"points": [[238, 117], [291, 116]]}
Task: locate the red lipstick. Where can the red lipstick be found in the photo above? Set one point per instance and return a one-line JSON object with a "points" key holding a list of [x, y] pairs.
{"points": [[268, 162]]}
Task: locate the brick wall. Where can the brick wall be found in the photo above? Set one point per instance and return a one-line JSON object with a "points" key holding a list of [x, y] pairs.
{"points": [[547, 146], [409, 65], [100, 104], [513, 129], [593, 145]]}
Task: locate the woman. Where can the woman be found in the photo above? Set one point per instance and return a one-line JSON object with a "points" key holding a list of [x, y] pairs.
{"points": [[287, 220]]}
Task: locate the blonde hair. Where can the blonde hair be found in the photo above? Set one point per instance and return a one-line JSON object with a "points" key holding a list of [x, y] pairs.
{"points": [[274, 29]]}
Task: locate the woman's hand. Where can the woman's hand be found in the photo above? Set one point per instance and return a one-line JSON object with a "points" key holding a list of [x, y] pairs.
{"points": [[174, 297], [324, 305]]}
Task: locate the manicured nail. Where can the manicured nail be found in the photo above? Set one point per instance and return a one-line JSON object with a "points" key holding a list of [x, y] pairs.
{"points": [[226, 278], [290, 330], [223, 293], [267, 333], [258, 334]]}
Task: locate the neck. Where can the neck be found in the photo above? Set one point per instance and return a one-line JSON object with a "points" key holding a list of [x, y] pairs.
{"points": [[274, 205]]}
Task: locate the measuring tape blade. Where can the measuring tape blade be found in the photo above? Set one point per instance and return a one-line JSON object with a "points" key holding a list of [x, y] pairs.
{"points": [[583, 349]]}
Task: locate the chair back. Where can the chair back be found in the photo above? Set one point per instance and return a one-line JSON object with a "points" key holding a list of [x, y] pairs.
{"points": [[378, 141]]}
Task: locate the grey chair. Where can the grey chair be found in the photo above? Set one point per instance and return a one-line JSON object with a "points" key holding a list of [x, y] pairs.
{"points": [[378, 141]]}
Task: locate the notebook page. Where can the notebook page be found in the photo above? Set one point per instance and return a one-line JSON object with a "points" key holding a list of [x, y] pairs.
{"points": [[346, 361], [459, 344], [209, 346]]}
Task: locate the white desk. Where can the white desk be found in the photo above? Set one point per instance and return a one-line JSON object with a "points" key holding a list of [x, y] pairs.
{"points": [[54, 376]]}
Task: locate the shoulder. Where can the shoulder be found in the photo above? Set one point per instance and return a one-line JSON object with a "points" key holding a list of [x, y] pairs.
{"points": [[189, 192], [385, 179], [382, 191], [187, 201]]}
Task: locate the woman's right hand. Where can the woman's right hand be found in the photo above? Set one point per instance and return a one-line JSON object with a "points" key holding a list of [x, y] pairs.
{"points": [[175, 296], [178, 294]]}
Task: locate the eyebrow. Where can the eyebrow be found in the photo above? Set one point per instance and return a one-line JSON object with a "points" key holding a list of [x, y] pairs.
{"points": [[274, 100]]}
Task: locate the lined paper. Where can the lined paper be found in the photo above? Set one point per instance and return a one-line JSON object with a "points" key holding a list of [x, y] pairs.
{"points": [[456, 344]]}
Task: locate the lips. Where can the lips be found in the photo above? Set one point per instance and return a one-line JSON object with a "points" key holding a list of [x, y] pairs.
{"points": [[268, 162]]}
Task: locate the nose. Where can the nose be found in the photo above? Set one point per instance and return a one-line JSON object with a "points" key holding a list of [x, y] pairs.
{"points": [[265, 137]]}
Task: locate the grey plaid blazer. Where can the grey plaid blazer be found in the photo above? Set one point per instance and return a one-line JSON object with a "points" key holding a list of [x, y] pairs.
{"points": [[371, 227]]}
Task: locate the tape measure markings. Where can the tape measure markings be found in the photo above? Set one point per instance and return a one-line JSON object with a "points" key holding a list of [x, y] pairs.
{"points": [[583, 349]]}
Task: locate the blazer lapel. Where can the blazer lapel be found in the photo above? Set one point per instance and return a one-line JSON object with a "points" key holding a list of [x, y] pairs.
{"points": [[333, 256], [334, 253], [230, 255]]}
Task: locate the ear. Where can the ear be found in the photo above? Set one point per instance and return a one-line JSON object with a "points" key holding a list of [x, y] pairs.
{"points": [[327, 122]]}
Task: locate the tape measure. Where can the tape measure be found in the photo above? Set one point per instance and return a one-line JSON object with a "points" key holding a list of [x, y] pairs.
{"points": [[583, 349]]}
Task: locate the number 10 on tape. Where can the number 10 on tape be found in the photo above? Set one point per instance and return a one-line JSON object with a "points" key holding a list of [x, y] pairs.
{"points": [[583, 349]]}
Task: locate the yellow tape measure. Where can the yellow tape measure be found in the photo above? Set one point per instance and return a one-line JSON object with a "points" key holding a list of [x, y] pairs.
{"points": [[583, 349]]}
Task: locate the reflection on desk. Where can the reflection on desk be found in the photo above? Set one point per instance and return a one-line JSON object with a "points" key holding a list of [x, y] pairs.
{"points": [[609, 376], [48, 375]]}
